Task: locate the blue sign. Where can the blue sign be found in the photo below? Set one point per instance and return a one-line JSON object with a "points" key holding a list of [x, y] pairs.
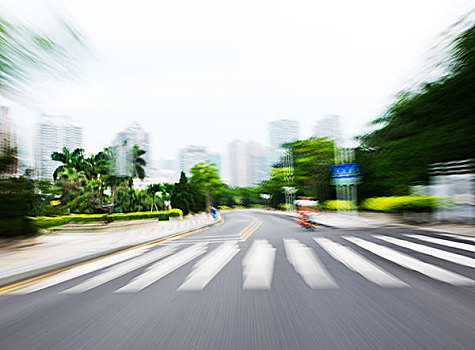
{"points": [[346, 174]]}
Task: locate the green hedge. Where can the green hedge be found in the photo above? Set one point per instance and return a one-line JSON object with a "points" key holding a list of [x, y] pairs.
{"points": [[400, 204], [336, 204], [52, 221]]}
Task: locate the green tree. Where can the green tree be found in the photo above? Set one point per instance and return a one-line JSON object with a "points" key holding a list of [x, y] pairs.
{"points": [[206, 175], [225, 195], [72, 183], [138, 164], [153, 189], [434, 123], [313, 159], [75, 159], [8, 161], [187, 196], [273, 186], [18, 199], [27, 53], [181, 197], [247, 196]]}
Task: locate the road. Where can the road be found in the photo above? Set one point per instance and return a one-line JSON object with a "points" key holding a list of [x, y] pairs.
{"points": [[257, 282]]}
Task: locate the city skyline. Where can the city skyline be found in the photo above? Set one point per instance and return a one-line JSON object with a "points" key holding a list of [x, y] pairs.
{"points": [[53, 132], [186, 88], [167, 169], [135, 133]]}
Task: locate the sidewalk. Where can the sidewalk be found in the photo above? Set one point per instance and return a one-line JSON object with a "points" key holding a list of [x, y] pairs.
{"points": [[326, 219], [68, 247], [374, 220]]}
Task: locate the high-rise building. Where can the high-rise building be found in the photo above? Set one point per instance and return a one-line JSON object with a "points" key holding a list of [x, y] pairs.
{"points": [[257, 163], [281, 132], [53, 133], [328, 127], [237, 159], [189, 156], [7, 144], [215, 158], [135, 134]]}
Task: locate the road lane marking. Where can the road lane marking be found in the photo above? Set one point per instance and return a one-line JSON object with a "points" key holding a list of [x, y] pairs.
{"points": [[251, 230], [308, 265], [258, 265], [208, 267], [247, 231], [120, 270], [80, 271], [411, 263], [357, 263], [440, 254], [452, 244], [163, 268]]}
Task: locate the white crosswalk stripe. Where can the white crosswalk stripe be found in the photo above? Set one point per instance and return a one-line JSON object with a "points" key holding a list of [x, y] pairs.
{"points": [[208, 267], [163, 268], [411, 263], [120, 270], [359, 264], [452, 244], [307, 265], [438, 253], [466, 238], [258, 265], [81, 270]]}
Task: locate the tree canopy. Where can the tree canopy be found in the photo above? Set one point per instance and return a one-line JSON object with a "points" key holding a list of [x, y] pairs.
{"points": [[28, 53], [435, 123], [206, 175]]}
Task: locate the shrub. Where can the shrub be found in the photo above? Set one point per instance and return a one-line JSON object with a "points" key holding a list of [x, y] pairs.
{"points": [[17, 200], [400, 204], [223, 207], [53, 221], [337, 204], [174, 213]]}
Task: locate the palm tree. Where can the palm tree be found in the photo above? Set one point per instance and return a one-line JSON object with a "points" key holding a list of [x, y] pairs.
{"points": [[138, 164], [72, 183], [74, 160], [63, 157], [153, 189]]}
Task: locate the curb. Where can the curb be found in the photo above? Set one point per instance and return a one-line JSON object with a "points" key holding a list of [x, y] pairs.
{"points": [[22, 274]]}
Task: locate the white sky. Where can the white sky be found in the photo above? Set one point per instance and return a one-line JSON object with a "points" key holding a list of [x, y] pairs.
{"points": [[207, 72]]}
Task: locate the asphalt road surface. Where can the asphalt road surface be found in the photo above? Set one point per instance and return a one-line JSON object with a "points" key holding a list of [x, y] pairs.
{"points": [[257, 282]]}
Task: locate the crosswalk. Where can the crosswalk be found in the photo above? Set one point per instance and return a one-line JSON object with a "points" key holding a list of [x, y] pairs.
{"points": [[411, 263], [365, 257], [359, 264], [307, 265]]}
